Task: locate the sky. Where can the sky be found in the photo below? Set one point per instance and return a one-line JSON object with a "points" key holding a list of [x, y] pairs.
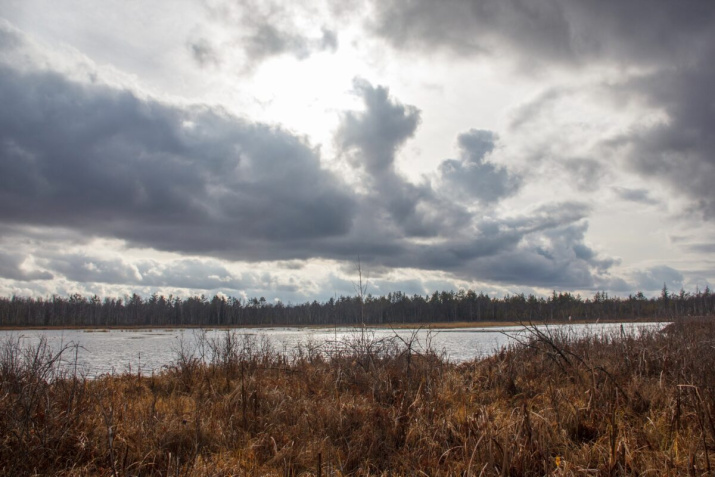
{"points": [[273, 148]]}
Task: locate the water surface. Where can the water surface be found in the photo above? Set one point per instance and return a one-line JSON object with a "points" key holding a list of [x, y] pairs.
{"points": [[149, 350]]}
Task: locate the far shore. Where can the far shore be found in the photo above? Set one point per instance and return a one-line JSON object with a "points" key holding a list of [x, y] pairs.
{"points": [[395, 326]]}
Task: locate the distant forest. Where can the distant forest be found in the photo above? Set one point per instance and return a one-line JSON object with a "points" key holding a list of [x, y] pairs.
{"points": [[467, 306]]}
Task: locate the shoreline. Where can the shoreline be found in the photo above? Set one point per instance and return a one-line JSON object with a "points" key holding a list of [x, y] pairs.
{"points": [[395, 326]]}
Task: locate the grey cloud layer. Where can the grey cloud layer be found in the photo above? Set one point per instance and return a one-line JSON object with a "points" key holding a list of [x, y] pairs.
{"points": [[652, 31], [681, 150], [110, 163], [670, 44], [105, 162]]}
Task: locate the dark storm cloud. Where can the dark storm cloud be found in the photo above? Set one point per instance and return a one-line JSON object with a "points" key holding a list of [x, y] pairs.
{"points": [[556, 258], [502, 236], [473, 27], [106, 162], [377, 133], [473, 176], [681, 150], [652, 31], [545, 246]]}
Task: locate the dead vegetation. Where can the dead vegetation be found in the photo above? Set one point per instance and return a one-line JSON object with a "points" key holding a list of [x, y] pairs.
{"points": [[612, 404]]}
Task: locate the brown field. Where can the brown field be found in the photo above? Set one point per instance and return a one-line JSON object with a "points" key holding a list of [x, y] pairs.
{"points": [[598, 405]]}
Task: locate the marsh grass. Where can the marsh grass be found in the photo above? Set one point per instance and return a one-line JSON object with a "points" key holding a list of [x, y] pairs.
{"points": [[553, 404]]}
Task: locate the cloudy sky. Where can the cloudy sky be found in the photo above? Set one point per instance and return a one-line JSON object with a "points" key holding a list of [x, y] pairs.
{"points": [[258, 148]]}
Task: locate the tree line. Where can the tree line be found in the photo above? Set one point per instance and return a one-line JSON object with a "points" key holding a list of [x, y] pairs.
{"points": [[446, 306]]}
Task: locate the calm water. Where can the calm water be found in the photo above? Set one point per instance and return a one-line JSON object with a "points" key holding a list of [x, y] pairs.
{"points": [[117, 351]]}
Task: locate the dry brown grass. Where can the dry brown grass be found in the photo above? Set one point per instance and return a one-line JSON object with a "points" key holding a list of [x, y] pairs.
{"points": [[553, 405]]}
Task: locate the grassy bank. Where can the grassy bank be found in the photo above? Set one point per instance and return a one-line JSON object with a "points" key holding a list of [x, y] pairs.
{"points": [[552, 405]]}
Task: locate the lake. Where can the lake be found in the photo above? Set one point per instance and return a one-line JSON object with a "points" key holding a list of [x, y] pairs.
{"points": [[148, 350]]}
